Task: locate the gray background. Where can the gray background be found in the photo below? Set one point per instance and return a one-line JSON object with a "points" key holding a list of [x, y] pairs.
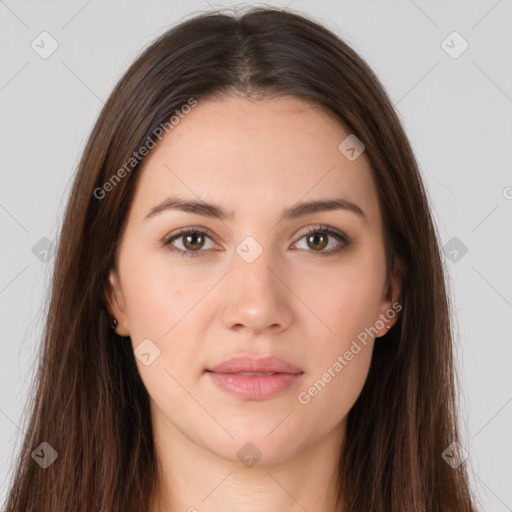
{"points": [[457, 113]]}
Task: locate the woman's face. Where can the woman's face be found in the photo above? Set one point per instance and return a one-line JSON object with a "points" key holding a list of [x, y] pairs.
{"points": [[250, 281]]}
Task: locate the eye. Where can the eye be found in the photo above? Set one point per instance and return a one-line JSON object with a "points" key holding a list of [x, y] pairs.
{"points": [[191, 239], [317, 239]]}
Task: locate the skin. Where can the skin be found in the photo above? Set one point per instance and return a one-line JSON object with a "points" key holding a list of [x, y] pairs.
{"points": [[254, 158]]}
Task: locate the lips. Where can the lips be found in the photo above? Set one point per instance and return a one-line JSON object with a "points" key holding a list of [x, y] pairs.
{"points": [[261, 365], [255, 378]]}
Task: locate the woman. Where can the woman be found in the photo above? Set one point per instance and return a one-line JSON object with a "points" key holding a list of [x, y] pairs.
{"points": [[248, 308]]}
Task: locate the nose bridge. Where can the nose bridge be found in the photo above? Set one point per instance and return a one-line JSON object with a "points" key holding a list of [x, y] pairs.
{"points": [[255, 263], [256, 297]]}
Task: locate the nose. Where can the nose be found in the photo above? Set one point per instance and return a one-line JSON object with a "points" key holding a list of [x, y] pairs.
{"points": [[258, 297]]}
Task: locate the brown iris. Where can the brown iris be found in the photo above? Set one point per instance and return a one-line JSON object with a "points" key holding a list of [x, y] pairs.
{"points": [[194, 245], [315, 237]]}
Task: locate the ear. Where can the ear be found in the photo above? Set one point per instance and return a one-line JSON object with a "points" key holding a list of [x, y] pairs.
{"points": [[115, 303], [391, 305]]}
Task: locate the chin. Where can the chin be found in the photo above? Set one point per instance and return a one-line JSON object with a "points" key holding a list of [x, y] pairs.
{"points": [[263, 444]]}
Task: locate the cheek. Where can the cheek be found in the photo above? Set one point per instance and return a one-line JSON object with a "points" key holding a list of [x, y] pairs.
{"points": [[349, 306], [329, 396], [162, 304], [157, 296], [344, 298], [337, 373]]}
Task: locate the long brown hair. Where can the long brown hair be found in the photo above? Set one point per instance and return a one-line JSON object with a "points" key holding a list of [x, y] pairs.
{"points": [[88, 401]]}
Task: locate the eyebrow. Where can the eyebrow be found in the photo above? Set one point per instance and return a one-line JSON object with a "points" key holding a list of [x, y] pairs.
{"points": [[216, 211]]}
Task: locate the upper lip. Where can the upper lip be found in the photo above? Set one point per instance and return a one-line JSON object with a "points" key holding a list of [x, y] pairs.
{"points": [[250, 364]]}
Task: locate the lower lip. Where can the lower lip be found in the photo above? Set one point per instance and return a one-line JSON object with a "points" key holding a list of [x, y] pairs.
{"points": [[253, 387]]}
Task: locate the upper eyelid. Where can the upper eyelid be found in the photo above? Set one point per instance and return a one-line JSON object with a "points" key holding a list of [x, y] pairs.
{"points": [[194, 229], [184, 231]]}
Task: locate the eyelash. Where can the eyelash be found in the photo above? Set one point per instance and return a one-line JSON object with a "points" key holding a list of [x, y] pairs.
{"points": [[340, 237]]}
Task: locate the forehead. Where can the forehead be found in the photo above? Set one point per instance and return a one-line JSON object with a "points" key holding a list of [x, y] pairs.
{"points": [[249, 154]]}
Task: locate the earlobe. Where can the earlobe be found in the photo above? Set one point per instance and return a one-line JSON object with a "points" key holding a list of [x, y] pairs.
{"points": [[115, 304], [391, 305], [388, 318]]}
